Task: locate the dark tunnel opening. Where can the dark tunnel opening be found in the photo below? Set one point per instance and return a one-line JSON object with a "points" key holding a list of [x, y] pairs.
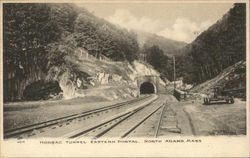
{"points": [[147, 88]]}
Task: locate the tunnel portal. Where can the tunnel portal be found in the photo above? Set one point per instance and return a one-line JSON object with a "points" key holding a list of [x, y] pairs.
{"points": [[147, 88]]}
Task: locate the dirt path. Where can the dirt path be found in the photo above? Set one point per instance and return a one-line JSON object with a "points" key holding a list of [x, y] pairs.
{"points": [[215, 119]]}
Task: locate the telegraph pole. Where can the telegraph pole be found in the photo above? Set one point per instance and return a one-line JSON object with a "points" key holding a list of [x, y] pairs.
{"points": [[174, 70]]}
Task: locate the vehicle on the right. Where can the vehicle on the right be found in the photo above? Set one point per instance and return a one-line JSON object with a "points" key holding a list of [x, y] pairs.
{"points": [[218, 95]]}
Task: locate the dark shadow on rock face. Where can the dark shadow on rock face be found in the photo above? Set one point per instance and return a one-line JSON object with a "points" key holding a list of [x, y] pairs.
{"points": [[147, 88], [41, 90]]}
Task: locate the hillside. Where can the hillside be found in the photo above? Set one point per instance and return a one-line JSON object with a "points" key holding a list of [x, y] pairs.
{"points": [[217, 48], [158, 52], [37, 48], [232, 78], [169, 47]]}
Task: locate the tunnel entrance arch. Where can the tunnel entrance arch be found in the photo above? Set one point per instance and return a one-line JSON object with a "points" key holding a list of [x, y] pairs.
{"points": [[147, 88], [148, 84]]}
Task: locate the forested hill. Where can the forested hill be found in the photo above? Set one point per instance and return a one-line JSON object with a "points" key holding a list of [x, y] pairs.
{"points": [[168, 46], [38, 36], [222, 45]]}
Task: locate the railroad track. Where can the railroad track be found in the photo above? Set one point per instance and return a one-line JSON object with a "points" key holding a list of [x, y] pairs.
{"points": [[14, 133], [158, 116], [160, 121], [102, 129]]}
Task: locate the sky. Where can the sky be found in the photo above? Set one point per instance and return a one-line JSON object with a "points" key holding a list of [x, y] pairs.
{"points": [[176, 21]]}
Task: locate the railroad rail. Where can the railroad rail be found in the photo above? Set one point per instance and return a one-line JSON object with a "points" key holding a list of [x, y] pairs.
{"points": [[139, 123], [29, 128], [160, 121], [107, 125]]}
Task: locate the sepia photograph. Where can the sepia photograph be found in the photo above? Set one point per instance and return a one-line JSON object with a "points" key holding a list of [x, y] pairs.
{"points": [[124, 71]]}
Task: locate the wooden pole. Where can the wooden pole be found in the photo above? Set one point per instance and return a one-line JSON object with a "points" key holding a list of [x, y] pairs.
{"points": [[174, 70]]}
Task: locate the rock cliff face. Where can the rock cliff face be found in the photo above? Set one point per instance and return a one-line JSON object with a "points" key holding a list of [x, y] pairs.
{"points": [[95, 77], [84, 75], [15, 82]]}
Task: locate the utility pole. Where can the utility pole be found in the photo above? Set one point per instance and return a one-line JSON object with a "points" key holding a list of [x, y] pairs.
{"points": [[174, 71]]}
